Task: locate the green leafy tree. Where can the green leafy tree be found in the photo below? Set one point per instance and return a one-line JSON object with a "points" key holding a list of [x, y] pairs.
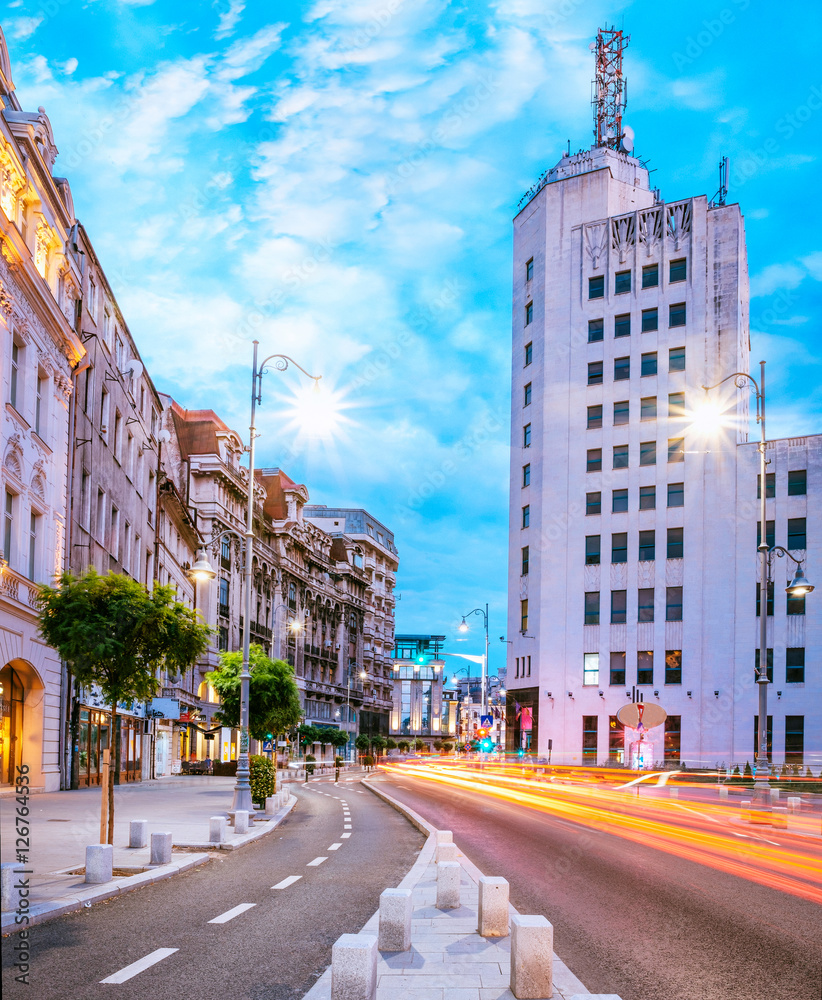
{"points": [[404, 746], [378, 743], [273, 701], [390, 744], [114, 634], [263, 779], [362, 742], [308, 735], [419, 744], [309, 767], [338, 738], [447, 747], [438, 745]]}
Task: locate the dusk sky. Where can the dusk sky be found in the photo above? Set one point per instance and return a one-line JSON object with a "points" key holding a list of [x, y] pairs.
{"points": [[339, 180]]}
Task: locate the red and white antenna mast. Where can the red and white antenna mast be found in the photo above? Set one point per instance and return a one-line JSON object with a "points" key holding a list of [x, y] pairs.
{"points": [[609, 88]]}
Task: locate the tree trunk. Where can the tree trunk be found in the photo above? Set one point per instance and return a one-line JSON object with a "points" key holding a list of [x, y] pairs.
{"points": [[115, 772]]}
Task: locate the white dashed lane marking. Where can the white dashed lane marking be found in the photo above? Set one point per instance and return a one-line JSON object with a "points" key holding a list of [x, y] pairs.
{"points": [[344, 836], [140, 965], [286, 882], [334, 847], [347, 826], [315, 862], [231, 914]]}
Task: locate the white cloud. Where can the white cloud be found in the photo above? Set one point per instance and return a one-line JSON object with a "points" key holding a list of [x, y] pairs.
{"points": [[229, 18], [21, 28], [775, 277]]}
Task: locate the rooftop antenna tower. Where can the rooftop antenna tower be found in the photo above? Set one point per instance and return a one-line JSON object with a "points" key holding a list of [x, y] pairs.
{"points": [[722, 193], [610, 89]]}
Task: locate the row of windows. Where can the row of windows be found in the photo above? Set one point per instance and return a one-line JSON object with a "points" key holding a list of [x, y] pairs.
{"points": [[647, 499], [647, 410], [621, 454], [523, 666], [793, 605], [645, 606], [794, 665], [797, 484], [21, 553], [17, 389], [797, 533], [644, 668], [623, 280], [646, 551], [649, 322], [648, 366]]}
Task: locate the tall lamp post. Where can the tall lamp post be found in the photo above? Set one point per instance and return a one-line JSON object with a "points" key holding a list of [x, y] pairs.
{"points": [[464, 627]]}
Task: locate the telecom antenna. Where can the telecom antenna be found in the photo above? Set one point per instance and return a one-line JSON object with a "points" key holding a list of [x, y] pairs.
{"points": [[722, 193], [609, 88]]}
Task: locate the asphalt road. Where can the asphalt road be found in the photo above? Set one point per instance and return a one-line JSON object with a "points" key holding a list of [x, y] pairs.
{"points": [[628, 919], [273, 950]]}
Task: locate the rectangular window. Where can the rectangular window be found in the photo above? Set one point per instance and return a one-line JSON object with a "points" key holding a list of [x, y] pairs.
{"points": [[104, 413], [645, 605], [33, 525], [151, 494], [118, 436], [676, 314], [648, 364], [529, 269], [797, 535], [100, 521], [525, 560], [622, 325], [85, 499], [798, 483], [676, 494], [795, 665], [768, 736], [794, 739], [526, 515], [526, 475], [678, 270], [590, 669], [88, 389], [130, 456], [16, 361], [526, 436], [676, 405], [114, 533], [596, 287], [676, 542], [127, 548], [594, 417], [620, 456], [650, 320], [619, 547], [768, 667], [593, 503], [40, 405], [529, 314], [617, 669], [796, 605], [645, 667], [8, 526], [647, 546], [622, 369], [224, 596], [619, 501], [770, 534], [650, 276], [770, 486], [619, 606], [222, 641], [647, 408], [596, 330], [592, 550], [526, 395], [529, 354], [647, 453], [673, 666], [676, 449], [616, 739], [622, 282], [621, 412], [769, 610], [594, 461], [647, 497], [589, 739], [673, 738], [523, 616], [592, 608], [676, 359], [594, 373], [673, 604]]}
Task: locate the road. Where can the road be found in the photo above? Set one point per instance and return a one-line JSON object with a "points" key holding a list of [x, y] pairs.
{"points": [[272, 943], [629, 919]]}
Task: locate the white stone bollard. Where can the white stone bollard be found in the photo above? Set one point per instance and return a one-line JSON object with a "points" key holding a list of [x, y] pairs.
{"points": [[444, 837], [241, 821], [448, 885], [396, 908], [354, 967], [775, 794], [446, 852], [532, 957], [723, 791], [794, 804], [271, 805], [216, 830], [138, 833], [9, 891], [99, 863], [160, 849], [492, 913], [779, 817]]}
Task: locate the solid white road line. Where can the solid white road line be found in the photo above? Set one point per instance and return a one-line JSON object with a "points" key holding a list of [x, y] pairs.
{"points": [[315, 862], [334, 847], [286, 882], [344, 836], [232, 913], [140, 965]]}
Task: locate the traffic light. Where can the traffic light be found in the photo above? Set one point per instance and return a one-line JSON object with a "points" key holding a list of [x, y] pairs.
{"points": [[482, 733], [520, 752]]}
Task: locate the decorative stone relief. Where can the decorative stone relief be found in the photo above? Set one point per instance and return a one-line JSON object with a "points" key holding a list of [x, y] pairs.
{"points": [[596, 237], [623, 236], [678, 222], [650, 230], [645, 573]]}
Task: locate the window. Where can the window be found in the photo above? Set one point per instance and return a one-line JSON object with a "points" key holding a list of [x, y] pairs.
{"points": [[622, 369], [118, 436], [525, 560], [620, 456], [647, 453], [40, 404], [622, 282], [769, 610], [676, 542], [797, 483], [678, 270], [621, 412], [650, 276], [594, 373], [673, 666], [769, 534], [16, 364], [622, 325], [647, 546], [151, 494], [645, 605], [768, 667], [797, 536], [529, 269], [645, 667], [596, 330], [529, 354], [676, 449], [796, 605], [647, 408], [592, 608], [673, 738], [676, 314], [33, 532], [529, 314], [592, 550], [114, 533], [526, 436], [673, 604], [619, 605], [770, 486], [648, 366], [222, 640], [768, 736], [590, 669], [526, 515], [589, 738], [526, 475], [650, 320], [8, 526], [676, 359], [88, 390], [619, 501], [647, 497], [676, 494], [593, 503], [130, 456], [292, 595], [224, 596], [119, 357], [594, 463], [619, 547], [91, 304], [616, 739], [795, 665], [594, 417], [523, 616], [127, 532], [526, 395], [104, 413], [617, 669], [100, 519], [794, 739], [596, 287], [85, 499]]}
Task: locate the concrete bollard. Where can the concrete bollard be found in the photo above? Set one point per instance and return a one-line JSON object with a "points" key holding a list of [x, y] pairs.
{"points": [[775, 794], [444, 837], [138, 833], [99, 863], [9, 892], [396, 908], [723, 791], [446, 852], [161, 848], [216, 830], [794, 804], [271, 804], [354, 967], [448, 885], [241, 821], [532, 957], [492, 913], [779, 817]]}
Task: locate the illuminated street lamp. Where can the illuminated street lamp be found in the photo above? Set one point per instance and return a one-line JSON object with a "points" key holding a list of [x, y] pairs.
{"points": [[465, 627]]}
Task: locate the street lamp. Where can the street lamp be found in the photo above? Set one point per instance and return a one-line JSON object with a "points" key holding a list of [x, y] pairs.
{"points": [[465, 627]]}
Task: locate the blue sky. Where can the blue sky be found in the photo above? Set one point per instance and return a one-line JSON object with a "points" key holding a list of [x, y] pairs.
{"points": [[338, 179]]}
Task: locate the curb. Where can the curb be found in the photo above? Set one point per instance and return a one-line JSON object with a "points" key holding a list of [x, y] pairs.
{"points": [[244, 839]]}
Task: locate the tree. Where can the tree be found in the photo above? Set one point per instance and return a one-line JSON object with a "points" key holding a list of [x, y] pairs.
{"points": [[114, 634], [390, 744], [404, 746], [447, 747], [362, 742], [378, 743], [438, 745], [308, 735], [338, 738], [419, 744], [273, 698]]}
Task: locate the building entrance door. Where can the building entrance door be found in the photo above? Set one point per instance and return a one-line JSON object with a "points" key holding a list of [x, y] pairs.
{"points": [[93, 738], [11, 723]]}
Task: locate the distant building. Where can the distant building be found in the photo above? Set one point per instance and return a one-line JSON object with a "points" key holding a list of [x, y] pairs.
{"points": [[418, 700]]}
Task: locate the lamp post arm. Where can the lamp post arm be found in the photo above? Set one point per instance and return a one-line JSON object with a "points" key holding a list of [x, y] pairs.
{"points": [[782, 551], [281, 363]]}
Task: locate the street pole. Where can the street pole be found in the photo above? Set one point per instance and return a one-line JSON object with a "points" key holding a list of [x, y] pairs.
{"points": [[761, 790], [484, 699]]}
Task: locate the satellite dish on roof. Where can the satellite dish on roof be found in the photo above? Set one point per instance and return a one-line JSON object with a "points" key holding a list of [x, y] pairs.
{"points": [[592, 47], [134, 369], [636, 714], [628, 139]]}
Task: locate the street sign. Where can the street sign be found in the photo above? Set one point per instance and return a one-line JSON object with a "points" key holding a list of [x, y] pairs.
{"points": [[268, 746], [649, 715], [486, 721]]}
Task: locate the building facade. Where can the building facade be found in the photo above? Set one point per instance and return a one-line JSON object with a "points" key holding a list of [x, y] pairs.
{"points": [[420, 707]]}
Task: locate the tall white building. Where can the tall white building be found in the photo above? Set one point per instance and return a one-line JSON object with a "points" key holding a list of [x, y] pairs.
{"points": [[633, 560]]}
